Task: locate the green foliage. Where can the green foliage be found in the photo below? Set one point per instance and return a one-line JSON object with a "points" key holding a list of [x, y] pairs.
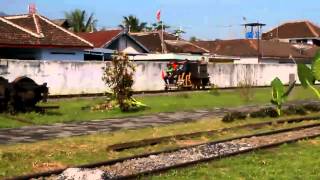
{"points": [[316, 66], [193, 39], [80, 22], [178, 32], [279, 95], [214, 90], [308, 76], [119, 77], [305, 75], [295, 110], [313, 107], [265, 112], [133, 24], [246, 89], [158, 26], [231, 116]]}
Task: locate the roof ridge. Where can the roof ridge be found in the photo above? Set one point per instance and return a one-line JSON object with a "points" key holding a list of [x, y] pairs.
{"points": [[64, 30], [38, 27], [20, 27], [287, 22], [16, 16], [313, 31], [113, 38], [199, 46]]}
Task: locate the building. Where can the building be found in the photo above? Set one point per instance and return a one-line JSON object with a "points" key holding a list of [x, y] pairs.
{"points": [[153, 41], [108, 41], [174, 49], [298, 32], [35, 37], [270, 51]]}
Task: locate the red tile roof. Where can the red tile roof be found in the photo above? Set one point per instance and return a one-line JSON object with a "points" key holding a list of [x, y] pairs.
{"points": [[33, 30], [299, 29], [101, 38], [152, 41], [248, 48], [180, 46]]}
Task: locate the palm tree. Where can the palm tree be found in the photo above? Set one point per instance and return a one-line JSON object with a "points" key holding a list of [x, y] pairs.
{"points": [[132, 23], [79, 21], [158, 26], [178, 32]]}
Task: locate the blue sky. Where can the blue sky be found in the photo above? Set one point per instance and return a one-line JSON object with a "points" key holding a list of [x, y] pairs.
{"points": [[206, 19]]}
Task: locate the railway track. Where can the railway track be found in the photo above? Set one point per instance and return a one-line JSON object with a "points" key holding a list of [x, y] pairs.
{"points": [[146, 164], [154, 141]]}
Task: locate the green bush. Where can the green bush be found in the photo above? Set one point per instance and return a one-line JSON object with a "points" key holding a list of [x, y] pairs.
{"points": [[313, 107], [261, 113], [292, 110], [231, 116]]}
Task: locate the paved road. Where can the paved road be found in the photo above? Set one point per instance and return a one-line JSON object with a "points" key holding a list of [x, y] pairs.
{"points": [[44, 132]]}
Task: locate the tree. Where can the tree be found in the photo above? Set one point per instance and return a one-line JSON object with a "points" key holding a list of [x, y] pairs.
{"points": [[119, 77], [178, 32], [80, 22], [158, 26], [193, 38], [132, 23]]}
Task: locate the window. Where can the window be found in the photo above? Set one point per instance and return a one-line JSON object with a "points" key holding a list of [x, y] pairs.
{"points": [[64, 53]]}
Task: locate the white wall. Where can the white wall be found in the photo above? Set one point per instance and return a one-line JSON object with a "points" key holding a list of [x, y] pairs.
{"points": [[85, 77], [47, 54], [244, 60]]}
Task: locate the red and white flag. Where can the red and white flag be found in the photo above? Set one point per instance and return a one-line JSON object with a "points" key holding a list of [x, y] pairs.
{"points": [[32, 8], [158, 15]]}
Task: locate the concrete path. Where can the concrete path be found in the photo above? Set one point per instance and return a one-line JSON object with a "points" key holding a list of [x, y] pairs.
{"points": [[45, 132]]}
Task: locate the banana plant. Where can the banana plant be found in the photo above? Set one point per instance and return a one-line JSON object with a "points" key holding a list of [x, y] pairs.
{"points": [[279, 94], [309, 75]]}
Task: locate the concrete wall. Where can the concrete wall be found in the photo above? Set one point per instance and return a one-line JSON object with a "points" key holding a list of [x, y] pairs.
{"points": [[67, 77]]}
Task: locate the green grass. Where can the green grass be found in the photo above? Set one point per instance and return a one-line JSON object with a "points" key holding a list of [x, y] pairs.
{"points": [[290, 161], [79, 109], [20, 159]]}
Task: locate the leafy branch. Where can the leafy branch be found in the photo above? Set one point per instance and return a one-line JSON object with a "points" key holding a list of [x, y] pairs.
{"points": [[308, 76], [279, 95]]}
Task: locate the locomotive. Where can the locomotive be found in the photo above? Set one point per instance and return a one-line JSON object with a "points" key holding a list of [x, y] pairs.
{"points": [[21, 95], [186, 75]]}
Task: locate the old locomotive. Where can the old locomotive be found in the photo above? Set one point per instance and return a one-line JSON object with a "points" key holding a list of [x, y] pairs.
{"points": [[21, 95]]}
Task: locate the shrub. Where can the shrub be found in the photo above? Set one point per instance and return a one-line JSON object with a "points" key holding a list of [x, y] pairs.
{"points": [[245, 89], [271, 112], [313, 107], [214, 90], [231, 116], [183, 95], [119, 77], [261, 113], [264, 112], [292, 110]]}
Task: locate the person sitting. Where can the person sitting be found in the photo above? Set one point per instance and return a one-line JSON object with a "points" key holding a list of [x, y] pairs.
{"points": [[169, 73]]}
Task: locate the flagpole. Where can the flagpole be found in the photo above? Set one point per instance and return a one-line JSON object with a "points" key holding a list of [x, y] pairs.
{"points": [[162, 40]]}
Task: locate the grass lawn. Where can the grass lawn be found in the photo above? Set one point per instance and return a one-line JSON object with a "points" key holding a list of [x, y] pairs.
{"points": [[79, 109], [20, 159], [290, 161]]}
